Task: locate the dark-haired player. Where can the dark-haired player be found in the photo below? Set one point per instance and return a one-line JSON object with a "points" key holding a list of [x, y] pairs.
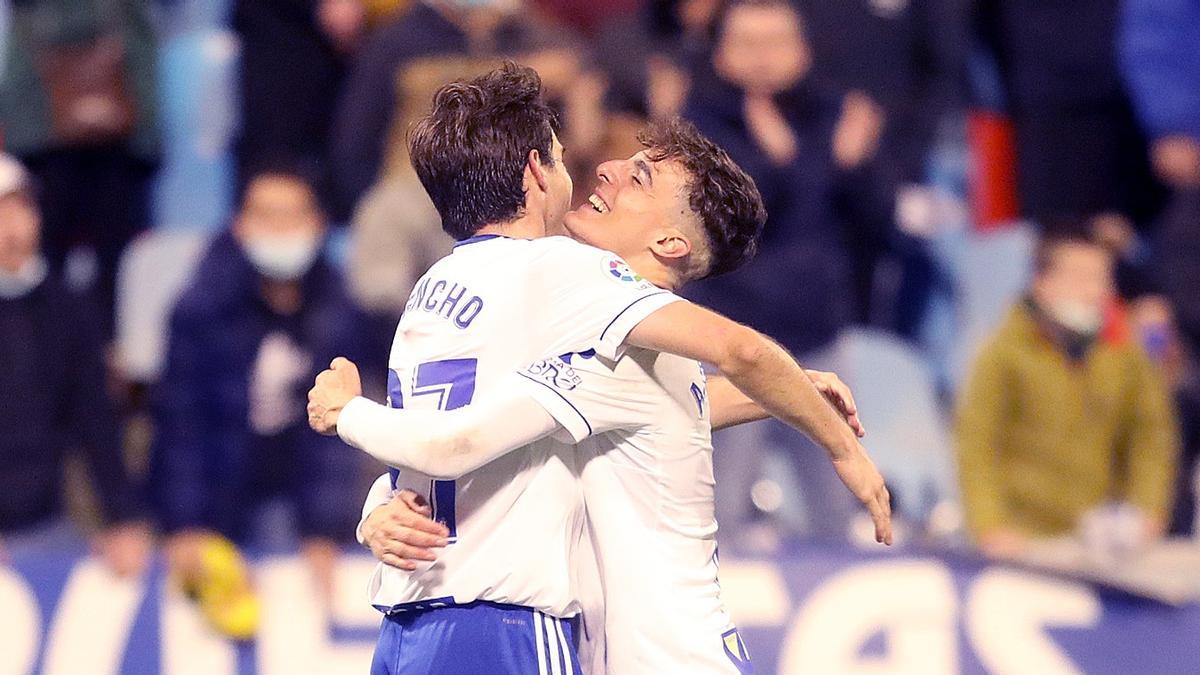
{"points": [[495, 598]]}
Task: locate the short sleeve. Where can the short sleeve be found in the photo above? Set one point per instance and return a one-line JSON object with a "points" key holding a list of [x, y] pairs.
{"points": [[586, 394], [595, 298]]}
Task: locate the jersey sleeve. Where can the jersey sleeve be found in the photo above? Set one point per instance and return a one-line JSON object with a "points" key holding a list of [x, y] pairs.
{"points": [[586, 398], [594, 297]]}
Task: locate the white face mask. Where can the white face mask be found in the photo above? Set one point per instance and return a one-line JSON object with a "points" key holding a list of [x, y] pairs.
{"points": [[18, 284], [282, 258], [1078, 317]]}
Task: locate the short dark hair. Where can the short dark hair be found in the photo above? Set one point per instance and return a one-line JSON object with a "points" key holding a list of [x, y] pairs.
{"points": [[283, 165], [1061, 231], [470, 150], [719, 192]]}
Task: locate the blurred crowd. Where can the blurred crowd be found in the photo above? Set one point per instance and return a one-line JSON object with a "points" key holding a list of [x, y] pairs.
{"points": [[154, 382]]}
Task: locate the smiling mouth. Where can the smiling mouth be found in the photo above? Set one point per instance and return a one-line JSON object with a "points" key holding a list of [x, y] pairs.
{"points": [[598, 203]]}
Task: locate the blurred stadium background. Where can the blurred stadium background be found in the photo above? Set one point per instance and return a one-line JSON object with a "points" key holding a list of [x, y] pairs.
{"points": [[921, 160]]}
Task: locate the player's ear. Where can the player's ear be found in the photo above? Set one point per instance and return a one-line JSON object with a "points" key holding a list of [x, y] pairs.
{"points": [[534, 170], [670, 243]]}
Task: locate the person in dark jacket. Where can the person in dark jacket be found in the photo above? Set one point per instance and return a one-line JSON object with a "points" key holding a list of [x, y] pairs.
{"points": [[1160, 58], [79, 107], [52, 371], [264, 313], [293, 58], [1078, 146], [757, 102]]}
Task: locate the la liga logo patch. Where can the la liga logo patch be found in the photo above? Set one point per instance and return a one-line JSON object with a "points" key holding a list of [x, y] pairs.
{"points": [[621, 271]]}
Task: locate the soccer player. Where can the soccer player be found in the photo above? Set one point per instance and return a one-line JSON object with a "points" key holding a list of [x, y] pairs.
{"points": [[495, 598], [646, 471]]}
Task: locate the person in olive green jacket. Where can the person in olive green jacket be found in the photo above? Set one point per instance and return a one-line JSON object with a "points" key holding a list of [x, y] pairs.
{"points": [[1064, 411]]}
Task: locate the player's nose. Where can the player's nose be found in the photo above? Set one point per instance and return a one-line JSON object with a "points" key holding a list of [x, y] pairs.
{"points": [[608, 171]]}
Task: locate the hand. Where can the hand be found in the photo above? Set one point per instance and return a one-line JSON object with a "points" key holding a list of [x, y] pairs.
{"points": [[856, 136], [185, 551], [334, 389], [1176, 159], [770, 129], [321, 556], [838, 394], [124, 548], [342, 21], [1002, 542], [859, 474], [400, 533], [1115, 232]]}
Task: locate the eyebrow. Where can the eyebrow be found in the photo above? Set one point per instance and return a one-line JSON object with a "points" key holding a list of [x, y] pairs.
{"points": [[645, 169]]}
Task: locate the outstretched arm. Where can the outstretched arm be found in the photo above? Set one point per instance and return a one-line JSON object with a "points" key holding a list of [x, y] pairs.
{"points": [[768, 375], [729, 407]]}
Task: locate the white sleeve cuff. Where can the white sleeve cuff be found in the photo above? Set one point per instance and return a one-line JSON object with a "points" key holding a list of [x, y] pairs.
{"points": [[351, 420], [562, 410], [612, 338]]}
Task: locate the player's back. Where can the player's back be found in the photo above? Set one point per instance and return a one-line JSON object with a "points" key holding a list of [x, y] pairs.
{"points": [[492, 306]]}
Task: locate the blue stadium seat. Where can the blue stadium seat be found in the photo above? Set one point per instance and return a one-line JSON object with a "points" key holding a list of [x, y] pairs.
{"points": [[197, 79], [992, 271], [897, 401], [155, 269]]}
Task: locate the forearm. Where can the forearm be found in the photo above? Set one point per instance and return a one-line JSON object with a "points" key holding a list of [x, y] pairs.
{"points": [[767, 374], [729, 407], [761, 369], [379, 494], [444, 444]]}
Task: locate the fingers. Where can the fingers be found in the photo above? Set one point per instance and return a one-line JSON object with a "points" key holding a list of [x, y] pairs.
{"points": [[856, 425], [407, 551], [396, 561], [423, 524], [410, 511], [391, 548], [415, 502], [881, 513]]}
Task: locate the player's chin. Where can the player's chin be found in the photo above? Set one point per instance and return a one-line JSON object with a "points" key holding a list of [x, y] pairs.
{"points": [[576, 222]]}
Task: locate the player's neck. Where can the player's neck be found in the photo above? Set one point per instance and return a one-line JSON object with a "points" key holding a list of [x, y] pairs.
{"points": [[655, 272], [525, 227]]}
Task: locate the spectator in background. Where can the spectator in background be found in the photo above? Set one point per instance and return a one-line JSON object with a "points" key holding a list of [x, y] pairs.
{"points": [[52, 373], [366, 115], [264, 313], [1078, 146], [78, 106], [907, 57], [293, 56], [1160, 56], [648, 57], [756, 100], [1154, 323], [1063, 413]]}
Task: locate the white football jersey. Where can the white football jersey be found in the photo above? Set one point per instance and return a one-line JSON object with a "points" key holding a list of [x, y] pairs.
{"points": [[647, 476], [488, 309]]}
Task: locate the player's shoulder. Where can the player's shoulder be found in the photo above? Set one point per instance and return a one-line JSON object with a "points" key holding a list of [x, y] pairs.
{"points": [[565, 248], [585, 264]]}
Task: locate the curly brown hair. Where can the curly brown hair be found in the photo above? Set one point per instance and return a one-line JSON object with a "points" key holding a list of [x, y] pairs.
{"points": [[721, 195]]}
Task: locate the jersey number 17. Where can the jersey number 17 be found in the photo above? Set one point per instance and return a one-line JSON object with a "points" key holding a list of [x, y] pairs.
{"points": [[453, 382]]}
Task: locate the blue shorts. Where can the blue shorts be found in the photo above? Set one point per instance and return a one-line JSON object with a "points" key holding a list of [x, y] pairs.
{"points": [[481, 637]]}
